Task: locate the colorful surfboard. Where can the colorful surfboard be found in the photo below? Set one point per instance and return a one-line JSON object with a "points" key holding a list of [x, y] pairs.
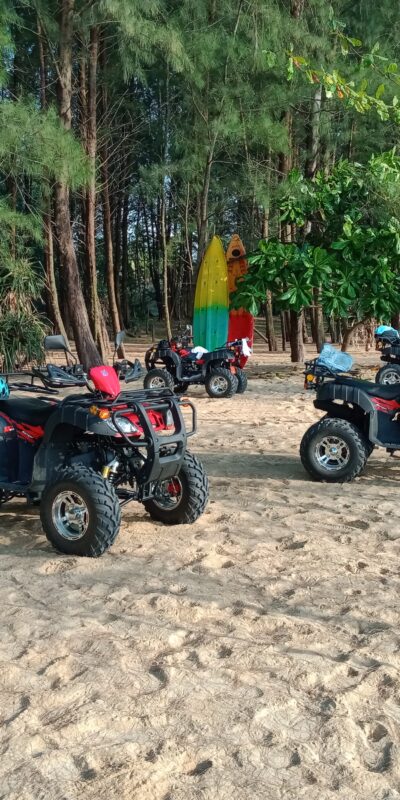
{"points": [[211, 300], [241, 322]]}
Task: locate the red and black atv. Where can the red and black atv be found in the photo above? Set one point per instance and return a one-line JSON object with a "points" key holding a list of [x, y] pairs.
{"points": [[176, 364], [359, 415], [84, 456]]}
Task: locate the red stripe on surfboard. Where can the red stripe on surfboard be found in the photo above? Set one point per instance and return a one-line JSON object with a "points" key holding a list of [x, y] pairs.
{"points": [[241, 322]]}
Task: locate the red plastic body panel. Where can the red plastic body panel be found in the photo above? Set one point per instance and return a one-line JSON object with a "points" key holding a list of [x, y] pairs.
{"points": [[105, 380]]}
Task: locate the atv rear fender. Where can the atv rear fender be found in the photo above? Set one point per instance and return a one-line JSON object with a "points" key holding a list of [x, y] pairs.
{"points": [[351, 403]]}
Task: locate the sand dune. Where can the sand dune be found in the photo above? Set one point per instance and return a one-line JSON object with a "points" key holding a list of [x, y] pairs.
{"points": [[253, 655]]}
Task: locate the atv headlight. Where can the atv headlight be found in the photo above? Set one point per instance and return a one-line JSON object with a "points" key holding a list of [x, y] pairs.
{"points": [[169, 420], [126, 426]]}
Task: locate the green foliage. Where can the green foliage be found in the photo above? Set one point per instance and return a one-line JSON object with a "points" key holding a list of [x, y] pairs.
{"points": [[22, 329], [33, 143], [357, 269], [289, 271]]}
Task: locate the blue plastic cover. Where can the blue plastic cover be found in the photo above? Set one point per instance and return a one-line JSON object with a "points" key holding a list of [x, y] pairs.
{"points": [[334, 359], [384, 329], [381, 329]]}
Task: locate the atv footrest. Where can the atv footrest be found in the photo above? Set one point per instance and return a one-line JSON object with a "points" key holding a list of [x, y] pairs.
{"points": [[15, 488]]}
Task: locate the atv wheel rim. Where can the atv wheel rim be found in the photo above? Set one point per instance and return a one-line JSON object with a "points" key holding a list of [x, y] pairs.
{"points": [[390, 377], [218, 384], [157, 382], [70, 515], [168, 494], [332, 453]]}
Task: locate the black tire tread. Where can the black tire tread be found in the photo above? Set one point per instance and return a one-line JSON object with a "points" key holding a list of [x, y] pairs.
{"points": [[232, 381], [342, 426], [369, 446], [108, 510], [189, 512], [242, 381]]}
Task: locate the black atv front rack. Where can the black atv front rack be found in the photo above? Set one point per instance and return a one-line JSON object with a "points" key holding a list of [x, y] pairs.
{"points": [[164, 452]]}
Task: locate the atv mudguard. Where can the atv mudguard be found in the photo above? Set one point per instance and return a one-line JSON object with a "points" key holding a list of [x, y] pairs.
{"points": [[59, 430], [165, 356], [378, 425]]}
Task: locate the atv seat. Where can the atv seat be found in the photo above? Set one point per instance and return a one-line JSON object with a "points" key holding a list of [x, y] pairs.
{"points": [[32, 412], [384, 391]]}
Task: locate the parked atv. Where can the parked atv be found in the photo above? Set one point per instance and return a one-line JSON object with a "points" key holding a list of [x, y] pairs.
{"points": [[359, 416], [176, 364], [387, 341], [84, 456]]}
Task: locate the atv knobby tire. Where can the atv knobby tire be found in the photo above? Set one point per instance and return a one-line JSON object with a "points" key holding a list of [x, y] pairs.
{"points": [[159, 378], [242, 381], [369, 446], [389, 374], [221, 383], [103, 512], [194, 495], [318, 446]]}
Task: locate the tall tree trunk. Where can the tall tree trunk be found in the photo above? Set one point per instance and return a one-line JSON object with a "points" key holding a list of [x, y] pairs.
{"points": [[52, 294], [86, 347], [296, 336], [110, 272], [348, 333], [269, 324], [165, 268], [313, 136], [90, 198], [54, 310], [395, 321], [283, 330], [117, 252], [319, 331], [107, 230], [125, 262]]}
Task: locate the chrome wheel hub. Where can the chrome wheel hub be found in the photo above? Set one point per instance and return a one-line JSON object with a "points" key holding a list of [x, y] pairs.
{"points": [[332, 453], [168, 494], [218, 384], [157, 382], [70, 515], [391, 377]]}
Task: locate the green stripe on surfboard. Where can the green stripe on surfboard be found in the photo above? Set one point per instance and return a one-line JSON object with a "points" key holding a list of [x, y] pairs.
{"points": [[211, 302]]}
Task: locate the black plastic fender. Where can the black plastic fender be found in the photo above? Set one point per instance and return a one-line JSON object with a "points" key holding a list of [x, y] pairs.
{"points": [[382, 430]]}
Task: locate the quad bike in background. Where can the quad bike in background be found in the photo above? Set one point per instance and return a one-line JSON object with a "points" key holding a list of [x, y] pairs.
{"points": [[359, 415], [84, 456], [177, 364], [387, 341]]}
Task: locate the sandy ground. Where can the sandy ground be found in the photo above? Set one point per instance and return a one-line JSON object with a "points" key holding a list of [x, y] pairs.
{"points": [[253, 655]]}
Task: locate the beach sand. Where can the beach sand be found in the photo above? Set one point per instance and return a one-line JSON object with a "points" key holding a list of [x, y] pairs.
{"points": [[252, 655]]}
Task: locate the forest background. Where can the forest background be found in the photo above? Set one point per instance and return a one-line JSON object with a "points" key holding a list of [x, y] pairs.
{"points": [[130, 132]]}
